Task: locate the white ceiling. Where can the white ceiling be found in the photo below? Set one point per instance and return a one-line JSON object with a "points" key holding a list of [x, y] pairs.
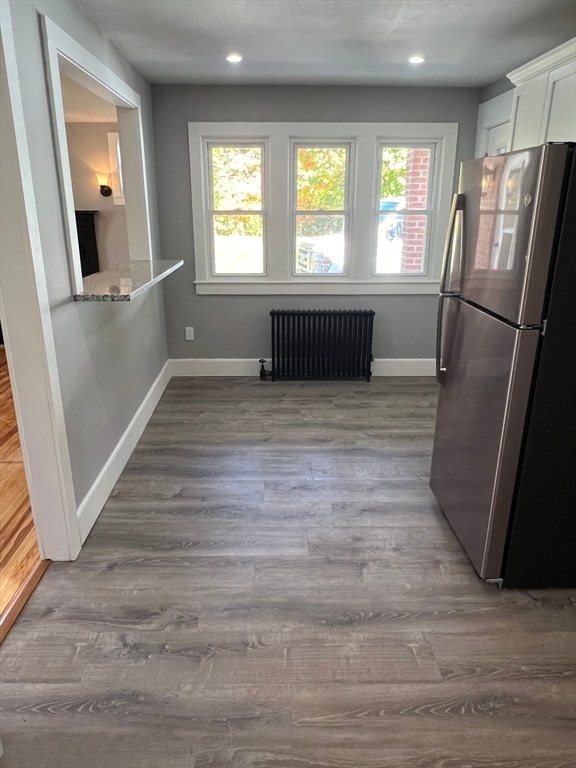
{"points": [[337, 42]]}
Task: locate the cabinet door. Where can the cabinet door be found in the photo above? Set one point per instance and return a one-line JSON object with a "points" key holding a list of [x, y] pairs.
{"points": [[527, 111], [493, 130], [560, 108], [498, 139]]}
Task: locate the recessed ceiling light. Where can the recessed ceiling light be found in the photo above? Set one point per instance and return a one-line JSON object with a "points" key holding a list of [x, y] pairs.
{"points": [[416, 59], [234, 58]]}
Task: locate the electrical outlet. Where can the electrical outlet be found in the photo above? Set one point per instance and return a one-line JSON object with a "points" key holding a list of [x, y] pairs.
{"points": [[189, 334]]}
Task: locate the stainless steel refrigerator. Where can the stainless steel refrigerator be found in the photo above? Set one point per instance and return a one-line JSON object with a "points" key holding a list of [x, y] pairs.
{"points": [[504, 456]]}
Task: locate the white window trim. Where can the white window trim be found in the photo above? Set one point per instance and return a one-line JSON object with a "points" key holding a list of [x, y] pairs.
{"points": [[367, 137]]}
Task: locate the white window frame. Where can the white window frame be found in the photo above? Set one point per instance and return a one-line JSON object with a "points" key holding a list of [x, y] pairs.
{"points": [[295, 144], [428, 211], [212, 212], [366, 138]]}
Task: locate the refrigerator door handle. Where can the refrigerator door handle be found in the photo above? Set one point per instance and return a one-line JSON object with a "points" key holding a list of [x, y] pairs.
{"points": [[457, 205], [439, 326]]}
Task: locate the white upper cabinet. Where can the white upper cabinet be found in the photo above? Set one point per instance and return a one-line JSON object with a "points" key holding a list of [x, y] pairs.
{"points": [[494, 128], [527, 110], [560, 108], [544, 100]]}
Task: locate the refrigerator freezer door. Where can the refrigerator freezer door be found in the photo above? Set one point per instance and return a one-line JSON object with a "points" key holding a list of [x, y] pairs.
{"points": [[511, 210], [481, 412]]}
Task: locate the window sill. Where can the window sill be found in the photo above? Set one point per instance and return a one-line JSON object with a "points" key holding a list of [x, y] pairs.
{"points": [[318, 287], [125, 283]]}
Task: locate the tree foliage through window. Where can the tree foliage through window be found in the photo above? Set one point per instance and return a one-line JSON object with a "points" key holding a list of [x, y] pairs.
{"points": [[393, 179], [320, 187], [237, 187]]}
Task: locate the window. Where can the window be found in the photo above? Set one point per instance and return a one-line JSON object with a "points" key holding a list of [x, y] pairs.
{"points": [[116, 177], [320, 214], [236, 208], [404, 209], [320, 208]]}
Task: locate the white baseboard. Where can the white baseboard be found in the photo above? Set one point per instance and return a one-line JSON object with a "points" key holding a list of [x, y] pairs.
{"points": [[214, 367], [412, 366], [247, 367], [92, 503]]}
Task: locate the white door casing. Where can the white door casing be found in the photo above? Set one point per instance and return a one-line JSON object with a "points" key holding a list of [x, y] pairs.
{"points": [[27, 326]]}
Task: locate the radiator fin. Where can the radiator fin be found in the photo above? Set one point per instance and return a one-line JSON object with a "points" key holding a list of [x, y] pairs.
{"points": [[322, 344]]}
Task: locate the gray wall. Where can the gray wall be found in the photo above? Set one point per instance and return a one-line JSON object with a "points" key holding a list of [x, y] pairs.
{"points": [[108, 354], [237, 327]]}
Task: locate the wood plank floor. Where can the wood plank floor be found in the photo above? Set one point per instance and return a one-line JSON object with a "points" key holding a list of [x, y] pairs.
{"points": [[20, 564], [271, 585]]}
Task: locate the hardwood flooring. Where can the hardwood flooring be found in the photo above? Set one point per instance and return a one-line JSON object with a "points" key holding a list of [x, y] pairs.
{"points": [[20, 564], [271, 585]]}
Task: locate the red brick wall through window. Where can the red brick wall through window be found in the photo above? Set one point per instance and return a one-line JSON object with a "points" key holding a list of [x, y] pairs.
{"points": [[414, 226]]}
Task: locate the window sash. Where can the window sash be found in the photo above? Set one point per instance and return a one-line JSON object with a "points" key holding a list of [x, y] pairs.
{"points": [[432, 179], [428, 212], [409, 274], [212, 212], [261, 238], [320, 143]]}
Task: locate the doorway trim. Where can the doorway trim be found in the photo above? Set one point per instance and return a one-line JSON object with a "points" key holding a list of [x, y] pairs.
{"points": [[65, 56], [27, 325]]}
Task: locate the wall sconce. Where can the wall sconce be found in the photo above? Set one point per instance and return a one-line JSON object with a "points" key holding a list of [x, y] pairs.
{"points": [[105, 189]]}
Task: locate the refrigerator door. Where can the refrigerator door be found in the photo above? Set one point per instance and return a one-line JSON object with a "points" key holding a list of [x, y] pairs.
{"points": [[481, 412], [542, 540], [511, 212]]}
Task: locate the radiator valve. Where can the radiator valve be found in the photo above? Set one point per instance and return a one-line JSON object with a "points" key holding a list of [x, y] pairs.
{"points": [[264, 374]]}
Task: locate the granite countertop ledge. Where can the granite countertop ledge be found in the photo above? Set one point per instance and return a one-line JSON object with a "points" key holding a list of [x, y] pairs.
{"points": [[126, 282]]}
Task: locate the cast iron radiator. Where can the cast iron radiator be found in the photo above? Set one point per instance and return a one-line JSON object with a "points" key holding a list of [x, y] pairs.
{"points": [[322, 344]]}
